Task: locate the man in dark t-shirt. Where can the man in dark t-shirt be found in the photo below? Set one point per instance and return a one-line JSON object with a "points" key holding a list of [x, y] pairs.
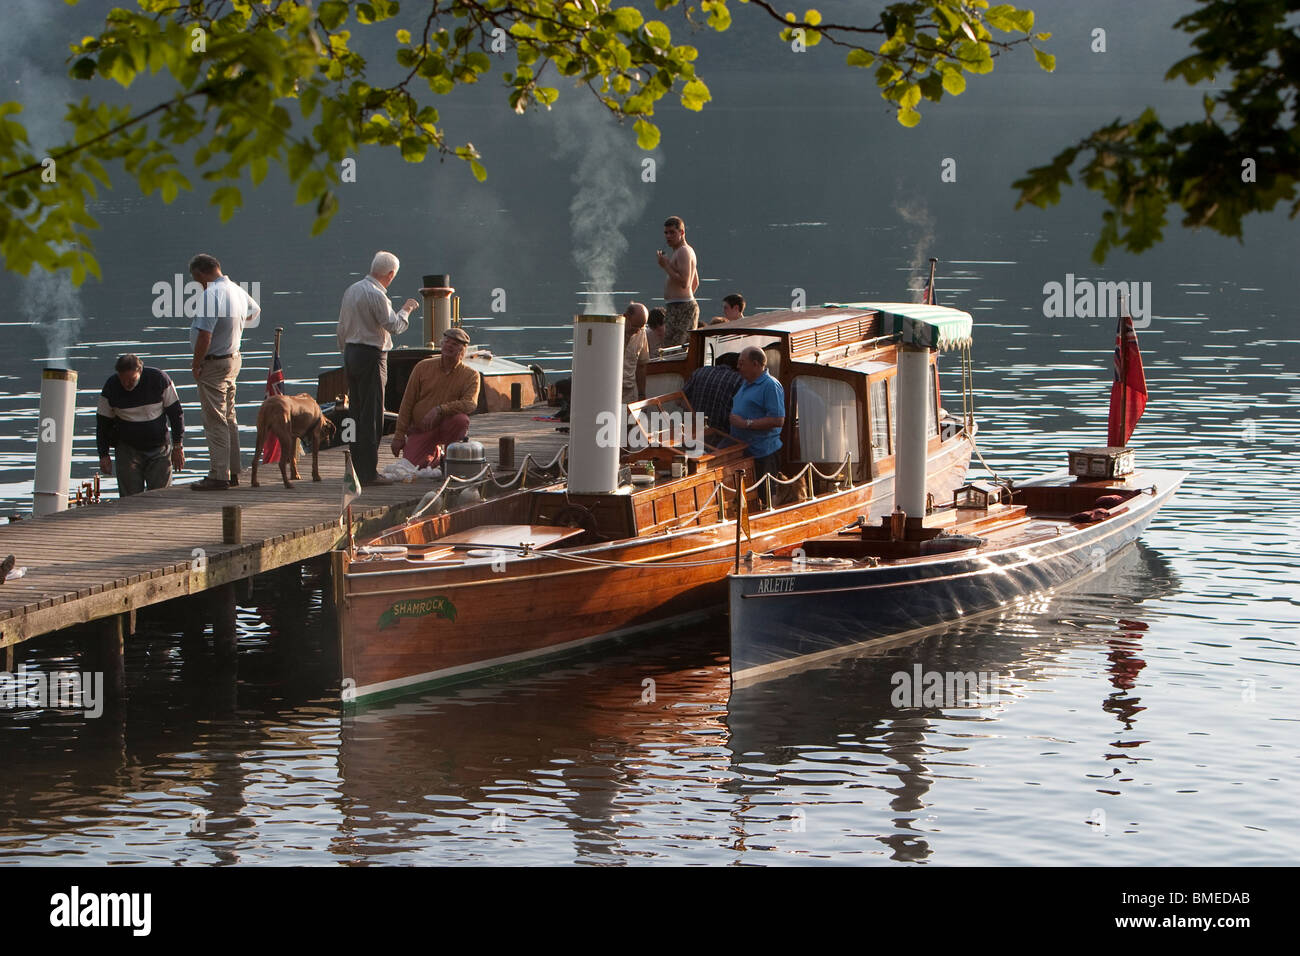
{"points": [[136, 407]]}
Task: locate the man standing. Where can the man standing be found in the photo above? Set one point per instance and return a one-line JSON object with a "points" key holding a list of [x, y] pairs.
{"points": [[681, 310], [215, 336], [636, 352], [367, 324], [135, 408], [711, 389], [758, 411], [440, 396]]}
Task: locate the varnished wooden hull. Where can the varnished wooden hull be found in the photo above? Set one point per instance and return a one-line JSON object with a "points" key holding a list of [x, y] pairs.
{"points": [[408, 627]]}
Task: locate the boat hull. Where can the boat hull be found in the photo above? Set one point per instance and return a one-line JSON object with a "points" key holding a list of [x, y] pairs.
{"points": [[780, 622], [404, 630]]}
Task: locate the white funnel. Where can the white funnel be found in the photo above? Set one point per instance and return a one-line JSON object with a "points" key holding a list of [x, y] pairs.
{"points": [[54, 440], [596, 404], [910, 435]]}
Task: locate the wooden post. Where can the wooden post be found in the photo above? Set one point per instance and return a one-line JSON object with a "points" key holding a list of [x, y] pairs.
{"points": [[506, 453], [106, 653], [195, 619], [740, 510], [8, 661], [225, 635], [232, 523]]}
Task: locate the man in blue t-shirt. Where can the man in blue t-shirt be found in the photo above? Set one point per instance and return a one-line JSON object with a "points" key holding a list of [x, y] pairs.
{"points": [[758, 411]]}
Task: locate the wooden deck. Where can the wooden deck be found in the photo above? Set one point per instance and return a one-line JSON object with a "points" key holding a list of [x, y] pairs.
{"points": [[112, 558]]}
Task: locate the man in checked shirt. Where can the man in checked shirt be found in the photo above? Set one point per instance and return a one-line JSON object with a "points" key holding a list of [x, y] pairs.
{"points": [[710, 390]]}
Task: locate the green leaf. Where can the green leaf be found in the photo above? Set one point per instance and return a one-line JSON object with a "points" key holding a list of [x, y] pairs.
{"points": [[477, 169], [1045, 60], [628, 19], [647, 134], [228, 199], [953, 81], [332, 14], [908, 117], [403, 36], [859, 58], [694, 95]]}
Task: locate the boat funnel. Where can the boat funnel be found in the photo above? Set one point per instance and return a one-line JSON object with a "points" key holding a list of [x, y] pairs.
{"points": [[596, 407], [437, 294], [54, 440], [910, 435]]}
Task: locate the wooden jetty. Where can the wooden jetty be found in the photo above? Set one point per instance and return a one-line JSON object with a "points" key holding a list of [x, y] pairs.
{"points": [[103, 562]]}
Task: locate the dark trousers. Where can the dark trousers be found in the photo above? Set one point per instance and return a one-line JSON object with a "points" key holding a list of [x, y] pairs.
{"points": [[367, 371], [137, 469]]}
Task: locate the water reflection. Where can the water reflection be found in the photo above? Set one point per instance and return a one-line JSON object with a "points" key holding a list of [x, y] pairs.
{"points": [[832, 736]]}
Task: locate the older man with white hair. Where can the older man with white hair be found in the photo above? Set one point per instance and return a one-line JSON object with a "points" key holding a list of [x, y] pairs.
{"points": [[636, 352], [367, 324]]}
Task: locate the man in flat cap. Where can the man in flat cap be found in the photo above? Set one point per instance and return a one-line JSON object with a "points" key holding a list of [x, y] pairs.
{"points": [[441, 394]]}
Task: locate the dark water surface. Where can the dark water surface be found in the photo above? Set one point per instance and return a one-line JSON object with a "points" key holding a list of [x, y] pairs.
{"points": [[1148, 717]]}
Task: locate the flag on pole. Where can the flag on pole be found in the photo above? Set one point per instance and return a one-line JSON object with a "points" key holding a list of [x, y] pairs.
{"points": [[274, 386], [1128, 394], [351, 486]]}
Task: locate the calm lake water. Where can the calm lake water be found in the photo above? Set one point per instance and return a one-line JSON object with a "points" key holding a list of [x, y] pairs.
{"points": [[1148, 717]]}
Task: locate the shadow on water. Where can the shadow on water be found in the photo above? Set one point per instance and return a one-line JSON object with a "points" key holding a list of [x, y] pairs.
{"points": [[165, 773], [879, 720]]}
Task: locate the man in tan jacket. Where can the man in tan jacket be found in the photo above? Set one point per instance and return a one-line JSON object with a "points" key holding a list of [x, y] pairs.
{"points": [[440, 395]]}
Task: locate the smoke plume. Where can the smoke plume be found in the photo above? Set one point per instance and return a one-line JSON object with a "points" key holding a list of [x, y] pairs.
{"points": [[609, 195], [916, 215]]}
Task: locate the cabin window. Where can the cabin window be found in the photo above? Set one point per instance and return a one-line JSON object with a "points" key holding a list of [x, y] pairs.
{"points": [[828, 419], [879, 422]]}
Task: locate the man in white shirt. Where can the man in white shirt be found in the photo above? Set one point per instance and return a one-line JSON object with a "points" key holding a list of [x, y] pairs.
{"points": [[367, 324], [215, 337]]}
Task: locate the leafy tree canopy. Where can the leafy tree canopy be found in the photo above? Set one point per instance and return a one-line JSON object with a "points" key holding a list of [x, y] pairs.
{"points": [[1243, 157], [256, 82]]}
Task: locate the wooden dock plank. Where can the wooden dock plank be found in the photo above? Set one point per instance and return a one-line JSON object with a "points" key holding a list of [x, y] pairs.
{"points": [[119, 555]]}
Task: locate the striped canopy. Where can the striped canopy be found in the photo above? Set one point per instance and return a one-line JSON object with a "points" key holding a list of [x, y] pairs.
{"points": [[927, 326]]}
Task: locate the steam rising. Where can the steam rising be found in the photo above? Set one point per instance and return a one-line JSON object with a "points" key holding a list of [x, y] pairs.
{"points": [[54, 307], [916, 215], [49, 301], [610, 195]]}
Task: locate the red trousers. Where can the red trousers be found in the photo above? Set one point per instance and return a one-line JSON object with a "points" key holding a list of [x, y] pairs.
{"points": [[423, 448]]}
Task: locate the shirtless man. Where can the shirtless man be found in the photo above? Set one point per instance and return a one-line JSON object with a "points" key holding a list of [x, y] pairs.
{"points": [[683, 279]]}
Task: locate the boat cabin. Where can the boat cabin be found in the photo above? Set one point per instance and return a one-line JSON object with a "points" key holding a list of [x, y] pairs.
{"points": [[837, 365]]}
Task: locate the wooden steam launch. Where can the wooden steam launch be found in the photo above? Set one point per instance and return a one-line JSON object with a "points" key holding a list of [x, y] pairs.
{"points": [[546, 571]]}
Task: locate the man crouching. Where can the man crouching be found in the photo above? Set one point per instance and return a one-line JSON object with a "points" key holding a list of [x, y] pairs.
{"points": [[440, 395]]}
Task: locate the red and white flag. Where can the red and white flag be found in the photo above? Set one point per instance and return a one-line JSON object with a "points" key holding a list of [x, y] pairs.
{"points": [[274, 386], [1128, 395]]}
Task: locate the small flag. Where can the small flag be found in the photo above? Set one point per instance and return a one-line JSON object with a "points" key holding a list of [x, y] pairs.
{"points": [[274, 386], [1128, 394], [351, 486]]}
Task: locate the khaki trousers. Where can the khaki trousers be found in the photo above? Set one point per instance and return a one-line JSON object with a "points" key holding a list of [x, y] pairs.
{"points": [[216, 382]]}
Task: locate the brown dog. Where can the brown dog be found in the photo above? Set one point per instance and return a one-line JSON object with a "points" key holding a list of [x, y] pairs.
{"points": [[288, 418]]}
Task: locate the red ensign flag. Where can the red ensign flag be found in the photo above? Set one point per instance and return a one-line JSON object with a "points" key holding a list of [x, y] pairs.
{"points": [[1128, 396], [274, 386]]}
